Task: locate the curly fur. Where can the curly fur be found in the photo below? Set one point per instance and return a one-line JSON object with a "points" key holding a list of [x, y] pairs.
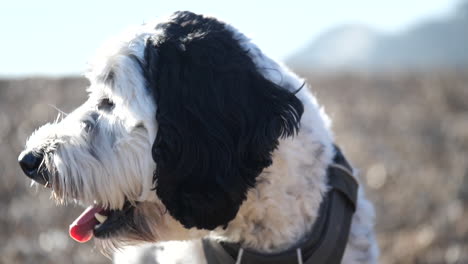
{"points": [[204, 136], [219, 120]]}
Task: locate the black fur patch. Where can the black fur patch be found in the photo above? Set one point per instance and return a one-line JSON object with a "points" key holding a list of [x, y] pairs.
{"points": [[219, 119]]}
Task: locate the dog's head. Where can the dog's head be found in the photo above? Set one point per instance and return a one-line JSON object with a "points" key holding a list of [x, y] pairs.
{"points": [[179, 119]]}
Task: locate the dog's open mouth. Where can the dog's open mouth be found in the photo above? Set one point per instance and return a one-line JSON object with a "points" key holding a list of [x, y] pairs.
{"points": [[100, 222]]}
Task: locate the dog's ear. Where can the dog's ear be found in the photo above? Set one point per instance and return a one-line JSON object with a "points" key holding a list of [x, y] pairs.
{"points": [[219, 120]]}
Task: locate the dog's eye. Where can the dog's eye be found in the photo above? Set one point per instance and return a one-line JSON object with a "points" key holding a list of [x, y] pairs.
{"points": [[87, 125], [105, 104]]}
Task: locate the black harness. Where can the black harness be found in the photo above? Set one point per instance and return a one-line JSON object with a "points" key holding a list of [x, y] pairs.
{"points": [[324, 244]]}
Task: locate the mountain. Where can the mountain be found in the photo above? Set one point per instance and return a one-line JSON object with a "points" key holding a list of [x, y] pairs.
{"points": [[441, 43]]}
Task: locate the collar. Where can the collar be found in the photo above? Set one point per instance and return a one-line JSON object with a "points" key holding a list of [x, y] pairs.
{"points": [[327, 240]]}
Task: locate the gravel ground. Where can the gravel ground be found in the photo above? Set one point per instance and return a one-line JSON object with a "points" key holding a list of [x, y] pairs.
{"points": [[406, 132]]}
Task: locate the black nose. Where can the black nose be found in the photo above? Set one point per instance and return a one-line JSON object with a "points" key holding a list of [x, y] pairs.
{"points": [[30, 163]]}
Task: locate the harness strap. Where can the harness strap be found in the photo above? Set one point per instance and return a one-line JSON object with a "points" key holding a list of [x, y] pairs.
{"points": [[342, 197]]}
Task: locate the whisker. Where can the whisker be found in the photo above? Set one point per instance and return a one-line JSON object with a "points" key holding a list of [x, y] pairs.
{"points": [[58, 110]]}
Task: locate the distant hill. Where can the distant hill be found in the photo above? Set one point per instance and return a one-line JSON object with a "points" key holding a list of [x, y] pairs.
{"points": [[441, 43]]}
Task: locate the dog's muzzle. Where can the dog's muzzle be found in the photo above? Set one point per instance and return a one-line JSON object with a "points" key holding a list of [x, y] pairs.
{"points": [[31, 162]]}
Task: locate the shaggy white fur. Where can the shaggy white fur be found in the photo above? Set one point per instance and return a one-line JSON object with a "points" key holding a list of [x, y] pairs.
{"points": [[114, 163]]}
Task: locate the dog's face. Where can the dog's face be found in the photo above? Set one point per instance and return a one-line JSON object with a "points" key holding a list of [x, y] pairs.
{"points": [[179, 123]]}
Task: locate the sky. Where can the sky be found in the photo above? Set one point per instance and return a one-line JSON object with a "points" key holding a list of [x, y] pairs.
{"points": [[57, 37]]}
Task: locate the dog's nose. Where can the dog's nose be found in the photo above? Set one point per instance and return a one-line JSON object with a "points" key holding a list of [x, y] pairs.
{"points": [[30, 162]]}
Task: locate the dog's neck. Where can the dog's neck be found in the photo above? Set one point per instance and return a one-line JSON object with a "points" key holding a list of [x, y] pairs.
{"points": [[282, 208]]}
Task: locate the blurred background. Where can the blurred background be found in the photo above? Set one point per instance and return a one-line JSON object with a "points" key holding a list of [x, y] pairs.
{"points": [[393, 75]]}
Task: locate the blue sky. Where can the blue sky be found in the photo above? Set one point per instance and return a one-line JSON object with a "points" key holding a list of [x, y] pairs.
{"points": [[53, 37]]}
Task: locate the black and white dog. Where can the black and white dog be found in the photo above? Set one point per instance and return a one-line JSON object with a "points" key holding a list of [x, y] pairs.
{"points": [[191, 134]]}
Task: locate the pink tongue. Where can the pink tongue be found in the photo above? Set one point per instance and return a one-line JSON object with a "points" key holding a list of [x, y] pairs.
{"points": [[82, 228]]}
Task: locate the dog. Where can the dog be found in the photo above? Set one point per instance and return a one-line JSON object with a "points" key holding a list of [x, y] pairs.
{"points": [[190, 133]]}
